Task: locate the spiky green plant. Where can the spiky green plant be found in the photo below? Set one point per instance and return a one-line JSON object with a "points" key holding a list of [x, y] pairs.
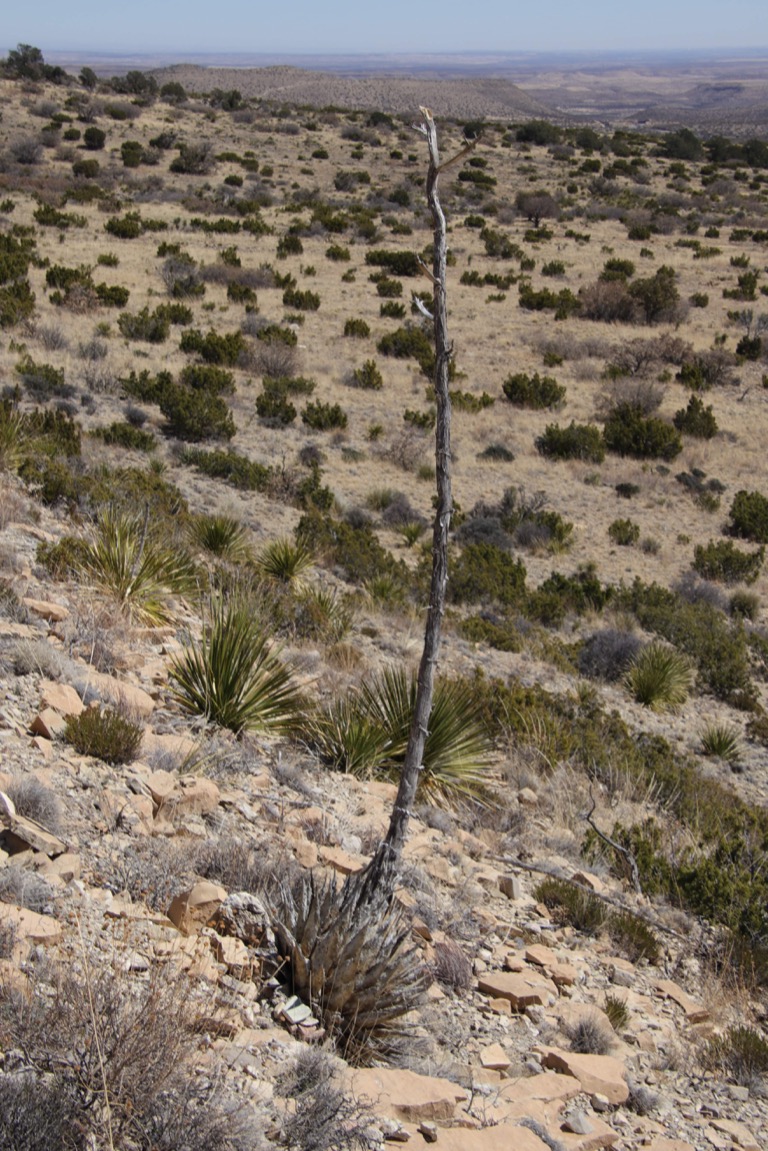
{"points": [[140, 573], [221, 536], [285, 562], [742, 1053], [350, 956], [722, 741], [345, 738], [233, 676], [12, 436], [322, 614], [660, 677], [617, 1012], [368, 732]]}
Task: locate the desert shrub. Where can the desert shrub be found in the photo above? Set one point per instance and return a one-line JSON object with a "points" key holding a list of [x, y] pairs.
{"points": [[558, 595], [696, 420], [112, 295], [152, 327], [748, 516], [126, 227], [367, 376], [125, 435], [193, 159], [274, 408], [659, 677], [212, 347], [576, 442], [392, 309], [484, 573], [338, 253], [388, 288], [410, 342], [634, 937], [571, 904], [536, 392], [608, 654], [94, 139], [742, 1053], [617, 269], [721, 560], [709, 369], [105, 734], [208, 378], [354, 547], [289, 245], [146, 1029], [497, 453], [563, 303], [356, 328], [323, 417], [238, 471], [305, 301], [625, 533], [629, 433], [744, 605], [233, 676], [42, 381], [398, 263], [193, 414]]}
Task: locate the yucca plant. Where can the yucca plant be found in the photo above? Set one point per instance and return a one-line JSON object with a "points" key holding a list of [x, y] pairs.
{"points": [[221, 536], [322, 614], [285, 562], [139, 572], [12, 436], [350, 956], [345, 738], [233, 676], [367, 732], [660, 677], [722, 741]]}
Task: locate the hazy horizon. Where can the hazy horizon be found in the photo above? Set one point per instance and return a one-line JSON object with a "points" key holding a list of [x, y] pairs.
{"points": [[350, 29]]}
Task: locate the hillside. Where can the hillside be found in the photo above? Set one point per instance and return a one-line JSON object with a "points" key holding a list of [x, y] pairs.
{"points": [[217, 453]]}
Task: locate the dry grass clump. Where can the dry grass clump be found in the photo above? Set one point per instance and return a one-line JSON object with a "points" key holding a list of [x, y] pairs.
{"points": [[589, 1036], [324, 1117], [35, 801], [105, 1061]]}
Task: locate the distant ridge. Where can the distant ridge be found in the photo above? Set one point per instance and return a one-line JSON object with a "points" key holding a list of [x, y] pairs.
{"points": [[480, 95]]}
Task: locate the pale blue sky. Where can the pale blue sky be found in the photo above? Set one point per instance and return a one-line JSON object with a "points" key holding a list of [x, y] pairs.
{"points": [[344, 26]]}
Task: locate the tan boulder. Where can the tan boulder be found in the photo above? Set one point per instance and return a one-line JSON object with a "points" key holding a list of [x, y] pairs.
{"points": [[48, 723], [737, 1132], [45, 609], [540, 955], [525, 989], [193, 795], [499, 1138], [661, 1143], [341, 861], [494, 1058], [694, 1012], [406, 1095], [30, 926], [597, 1074], [127, 696], [61, 697], [192, 909]]}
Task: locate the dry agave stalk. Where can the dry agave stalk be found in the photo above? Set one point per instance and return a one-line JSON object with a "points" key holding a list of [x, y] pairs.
{"points": [[351, 958]]}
